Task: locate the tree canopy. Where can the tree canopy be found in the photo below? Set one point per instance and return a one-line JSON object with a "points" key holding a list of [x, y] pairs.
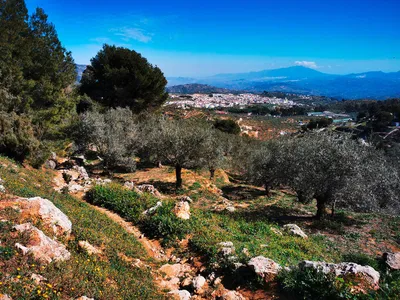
{"points": [[119, 77]]}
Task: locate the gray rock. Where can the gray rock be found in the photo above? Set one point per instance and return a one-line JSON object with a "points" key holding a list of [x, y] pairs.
{"points": [[294, 230], [198, 282], [392, 260], [264, 267], [180, 294], [153, 209], [50, 164]]}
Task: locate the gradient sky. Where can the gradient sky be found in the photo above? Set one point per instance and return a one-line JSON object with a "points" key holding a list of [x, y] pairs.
{"points": [[200, 38]]}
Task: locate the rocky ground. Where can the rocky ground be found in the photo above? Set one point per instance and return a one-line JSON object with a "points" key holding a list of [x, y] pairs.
{"points": [[237, 234]]}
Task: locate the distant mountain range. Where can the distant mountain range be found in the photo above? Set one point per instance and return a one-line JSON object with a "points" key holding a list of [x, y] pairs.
{"points": [[79, 70], [371, 85]]}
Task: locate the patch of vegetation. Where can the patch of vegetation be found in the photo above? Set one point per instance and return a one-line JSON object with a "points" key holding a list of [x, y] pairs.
{"points": [[106, 277]]}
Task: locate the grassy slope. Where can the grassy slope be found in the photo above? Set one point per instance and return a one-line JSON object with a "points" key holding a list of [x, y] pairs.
{"points": [[108, 277]]}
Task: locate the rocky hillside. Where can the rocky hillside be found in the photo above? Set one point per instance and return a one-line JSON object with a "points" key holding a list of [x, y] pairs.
{"points": [[67, 233], [195, 88]]}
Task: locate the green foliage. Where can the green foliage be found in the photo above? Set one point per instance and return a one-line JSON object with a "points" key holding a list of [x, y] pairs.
{"points": [[362, 259], [119, 77], [318, 123], [308, 284], [127, 204], [227, 126], [17, 139], [165, 225], [6, 252]]}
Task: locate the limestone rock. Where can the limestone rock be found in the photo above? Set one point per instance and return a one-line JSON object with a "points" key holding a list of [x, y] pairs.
{"points": [[89, 249], [264, 267], [176, 270], [48, 212], [185, 198], [83, 174], [84, 298], [198, 282], [226, 248], [182, 210], [5, 297], [153, 209], [232, 295], [180, 295], [171, 284], [42, 248], [276, 231], [294, 230], [392, 260], [129, 185], [366, 276], [50, 164], [148, 188]]}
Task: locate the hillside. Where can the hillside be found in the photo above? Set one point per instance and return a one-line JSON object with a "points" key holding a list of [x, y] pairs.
{"points": [[194, 88], [378, 85]]}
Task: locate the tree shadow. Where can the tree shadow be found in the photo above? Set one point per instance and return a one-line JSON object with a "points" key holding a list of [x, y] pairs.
{"points": [[237, 193], [168, 188]]}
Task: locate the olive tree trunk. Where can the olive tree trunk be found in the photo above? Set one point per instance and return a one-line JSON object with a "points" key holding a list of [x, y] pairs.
{"points": [[178, 174]]}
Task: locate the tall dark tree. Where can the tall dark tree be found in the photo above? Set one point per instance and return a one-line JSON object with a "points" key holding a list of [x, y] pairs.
{"points": [[122, 77]]}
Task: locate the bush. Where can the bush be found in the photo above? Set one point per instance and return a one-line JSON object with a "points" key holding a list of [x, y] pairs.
{"points": [[165, 225], [17, 139], [227, 126], [308, 284], [127, 204]]}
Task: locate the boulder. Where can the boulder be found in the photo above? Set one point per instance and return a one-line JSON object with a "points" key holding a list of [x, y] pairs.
{"points": [[83, 174], [232, 295], [392, 260], [294, 230], [84, 298], [198, 282], [88, 248], [5, 297], [182, 210], [226, 249], [148, 188], [42, 248], [50, 164], [153, 209], [51, 216], [176, 270], [171, 284], [185, 198], [180, 295], [264, 267], [365, 276]]}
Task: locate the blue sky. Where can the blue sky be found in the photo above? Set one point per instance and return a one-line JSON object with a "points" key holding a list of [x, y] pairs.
{"points": [[200, 38]]}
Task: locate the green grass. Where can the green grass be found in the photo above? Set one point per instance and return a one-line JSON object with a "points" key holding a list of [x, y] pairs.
{"points": [[106, 277]]}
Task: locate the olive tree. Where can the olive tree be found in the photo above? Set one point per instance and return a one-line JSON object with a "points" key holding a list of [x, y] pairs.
{"points": [[175, 142], [115, 135], [334, 169]]}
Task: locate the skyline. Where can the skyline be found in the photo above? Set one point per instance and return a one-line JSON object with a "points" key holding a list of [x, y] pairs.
{"points": [[203, 38]]}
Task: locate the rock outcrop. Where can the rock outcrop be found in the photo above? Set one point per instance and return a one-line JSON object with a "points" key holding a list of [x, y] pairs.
{"points": [[42, 248], [264, 267], [392, 260], [294, 230], [179, 295], [88, 248], [365, 276], [182, 210]]}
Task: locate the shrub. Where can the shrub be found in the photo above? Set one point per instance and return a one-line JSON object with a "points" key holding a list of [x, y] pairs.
{"points": [[127, 204], [227, 126], [17, 139], [165, 225]]}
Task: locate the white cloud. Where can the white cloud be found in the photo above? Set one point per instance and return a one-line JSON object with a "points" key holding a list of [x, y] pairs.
{"points": [[137, 34], [307, 64]]}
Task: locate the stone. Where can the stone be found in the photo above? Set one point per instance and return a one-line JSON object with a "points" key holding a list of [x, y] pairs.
{"points": [[37, 278], [198, 282], [246, 252], [53, 156], [392, 260], [180, 294], [176, 270], [366, 276], [50, 164], [42, 248], [2, 189], [171, 284], [230, 209], [153, 209], [264, 267], [294, 230], [129, 185], [83, 174], [5, 297], [182, 210], [51, 216], [187, 281], [75, 188], [185, 198], [88, 248], [232, 295], [226, 249], [148, 188], [84, 298]]}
